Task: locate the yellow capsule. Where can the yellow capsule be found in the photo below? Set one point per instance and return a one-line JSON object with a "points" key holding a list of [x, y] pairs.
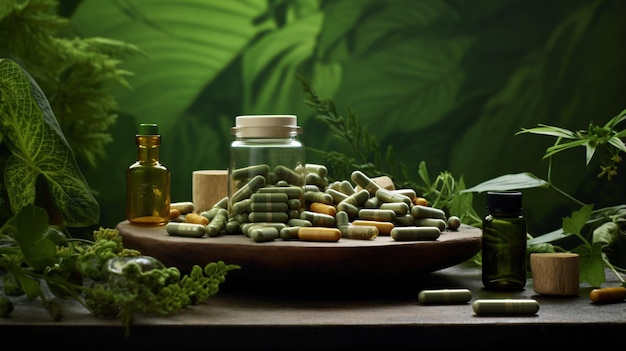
{"points": [[505, 306], [182, 207], [384, 228], [319, 234], [196, 218], [608, 295], [323, 208]]}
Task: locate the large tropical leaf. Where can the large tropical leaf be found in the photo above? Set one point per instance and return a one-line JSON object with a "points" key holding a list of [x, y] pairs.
{"points": [[186, 43], [39, 149]]}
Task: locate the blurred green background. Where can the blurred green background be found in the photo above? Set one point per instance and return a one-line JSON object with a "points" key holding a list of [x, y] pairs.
{"points": [[442, 81]]}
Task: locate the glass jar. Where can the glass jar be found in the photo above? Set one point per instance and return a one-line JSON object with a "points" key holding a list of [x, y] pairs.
{"points": [[266, 157], [504, 242]]}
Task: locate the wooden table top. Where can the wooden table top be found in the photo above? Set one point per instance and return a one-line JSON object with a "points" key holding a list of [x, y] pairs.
{"points": [[245, 315]]}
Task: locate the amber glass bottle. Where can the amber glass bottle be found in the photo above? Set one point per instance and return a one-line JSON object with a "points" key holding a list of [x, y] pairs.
{"points": [[504, 242], [148, 181]]}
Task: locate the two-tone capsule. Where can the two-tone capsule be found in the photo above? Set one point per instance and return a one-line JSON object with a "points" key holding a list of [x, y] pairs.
{"points": [[445, 296], [505, 306]]}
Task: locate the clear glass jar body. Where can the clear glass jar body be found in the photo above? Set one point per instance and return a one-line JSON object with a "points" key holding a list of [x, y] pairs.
{"points": [[148, 185], [504, 243], [266, 156]]}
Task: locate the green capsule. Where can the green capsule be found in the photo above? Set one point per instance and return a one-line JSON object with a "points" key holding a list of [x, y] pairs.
{"points": [[445, 296], [217, 224], [365, 182], [294, 204], [377, 215], [269, 207], [350, 209], [250, 172], [358, 198], [293, 192], [269, 197], [299, 222], [317, 180], [400, 208], [222, 203], [232, 227], [337, 195], [346, 187], [210, 213], [292, 177], [190, 230], [318, 219], [405, 221], [431, 222], [268, 217], [372, 202], [263, 234], [247, 190], [385, 195], [505, 306], [289, 233], [320, 170], [415, 233], [318, 196], [421, 211], [242, 206]]}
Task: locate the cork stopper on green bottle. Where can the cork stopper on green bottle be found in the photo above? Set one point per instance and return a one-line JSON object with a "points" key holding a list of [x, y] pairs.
{"points": [[148, 129]]}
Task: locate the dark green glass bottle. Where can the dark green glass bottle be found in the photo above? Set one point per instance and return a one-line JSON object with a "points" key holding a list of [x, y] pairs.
{"points": [[148, 181], [504, 242]]}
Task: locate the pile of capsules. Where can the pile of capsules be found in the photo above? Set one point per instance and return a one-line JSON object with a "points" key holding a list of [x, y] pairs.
{"points": [[268, 206]]}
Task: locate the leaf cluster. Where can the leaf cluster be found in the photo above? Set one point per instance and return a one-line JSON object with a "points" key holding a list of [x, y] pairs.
{"points": [[105, 277]]}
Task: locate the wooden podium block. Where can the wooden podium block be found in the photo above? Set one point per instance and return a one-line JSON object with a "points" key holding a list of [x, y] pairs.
{"points": [[555, 273], [208, 187]]}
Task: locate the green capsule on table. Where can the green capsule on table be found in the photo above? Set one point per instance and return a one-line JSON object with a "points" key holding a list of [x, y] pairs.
{"points": [[400, 208], [346, 188], [405, 221], [190, 230], [318, 196], [263, 234], [337, 195], [248, 189], [299, 222], [242, 206], [289, 233], [365, 182], [318, 219], [358, 198], [269, 197], [385, 195], [505, 306], [350, 209], [318, 169], [445, 296], [413, 233]]}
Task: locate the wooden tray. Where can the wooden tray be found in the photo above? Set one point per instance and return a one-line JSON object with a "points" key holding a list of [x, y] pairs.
{"points": [[346, 260]]}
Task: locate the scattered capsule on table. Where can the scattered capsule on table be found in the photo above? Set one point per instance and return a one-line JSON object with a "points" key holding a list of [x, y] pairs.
{"points": [[361, 232], [410, 193], [261, 234], [454, 223], [190, 230], [289, 233], [505, 306], [316, 179], [182, 207], [418, 200], [358, 198], [337, 195], [608, 295], [415, 233], [218, 223], [405, 221], [319, 234], [346, 188], [232, 227], [419, 211], [350, 209], [174, 213], [318, 169], [444, 296], [318, 196]]}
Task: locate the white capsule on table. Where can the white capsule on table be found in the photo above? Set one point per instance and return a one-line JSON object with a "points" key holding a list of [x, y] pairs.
{"points": [[190, 230]]}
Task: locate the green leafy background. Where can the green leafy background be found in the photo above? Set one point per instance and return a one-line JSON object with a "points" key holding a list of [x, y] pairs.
{"points": [[442, 81]]}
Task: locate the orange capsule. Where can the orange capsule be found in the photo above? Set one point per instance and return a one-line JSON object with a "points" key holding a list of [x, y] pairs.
{"points": [[319, 234], [323, 208], [196, 218], [174, 213], [608, 295], [384, 228], [418, 200]]}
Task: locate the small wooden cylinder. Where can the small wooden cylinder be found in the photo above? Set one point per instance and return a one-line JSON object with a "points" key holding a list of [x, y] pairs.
{"points": [[208, 187], [555, 273]]}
